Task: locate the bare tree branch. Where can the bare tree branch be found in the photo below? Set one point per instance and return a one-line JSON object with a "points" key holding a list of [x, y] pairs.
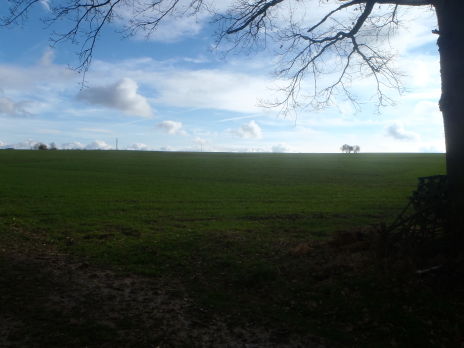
{"points": [[253, 15], [147, 17], [406, 2], [331, 49], [312, 50], [17, 11], [89, 17]]}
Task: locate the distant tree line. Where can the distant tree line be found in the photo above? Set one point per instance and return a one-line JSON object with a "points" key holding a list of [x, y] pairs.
{"points": [[42, 146], [349, 149]]}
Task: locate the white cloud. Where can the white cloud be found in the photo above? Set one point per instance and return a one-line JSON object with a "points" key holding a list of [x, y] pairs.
{"points": [[138, 147], [432, 149], [181, 23], [24, 145], [415, 29], [47, 57], [427, 112], [9, 107], [72, 146], [255, 149], [235, 118], [177, 28], [250, 130], [121, 95], [200, 141], [45, 4], [201, 144], [281, 148], [398, 132], [98, 145], [48, 131], [171, 127], [43, 75], [95, 130], [213, 89]]}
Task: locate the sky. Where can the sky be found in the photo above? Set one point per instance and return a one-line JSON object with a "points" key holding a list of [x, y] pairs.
{"points": [[177, 91]]}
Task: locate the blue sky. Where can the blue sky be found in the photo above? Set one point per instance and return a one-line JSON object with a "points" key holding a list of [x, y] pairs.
{"points": [[175, 92]]}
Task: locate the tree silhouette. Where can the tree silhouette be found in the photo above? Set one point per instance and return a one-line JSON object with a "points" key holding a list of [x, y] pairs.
{"points": [[346, 148], [343, 43], [40, 146], [349, 149]]}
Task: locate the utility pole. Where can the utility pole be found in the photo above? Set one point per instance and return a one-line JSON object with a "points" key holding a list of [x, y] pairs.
{"points": [[116, 143]]}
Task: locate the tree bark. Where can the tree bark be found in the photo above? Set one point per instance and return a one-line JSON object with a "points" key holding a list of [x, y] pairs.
{"points": [[451, 46]]}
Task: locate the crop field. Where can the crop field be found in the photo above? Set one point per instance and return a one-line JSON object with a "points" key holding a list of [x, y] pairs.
{"points": [[116, 205], [133, 197], [235, 229]]}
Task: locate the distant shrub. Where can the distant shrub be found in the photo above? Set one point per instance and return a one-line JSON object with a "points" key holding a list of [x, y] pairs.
{"points": [[349, 149], [40, 146]]}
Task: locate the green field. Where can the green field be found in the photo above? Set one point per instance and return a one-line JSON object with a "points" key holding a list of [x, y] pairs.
{"points": [[73, 193], [113, 205], [225, 224]]}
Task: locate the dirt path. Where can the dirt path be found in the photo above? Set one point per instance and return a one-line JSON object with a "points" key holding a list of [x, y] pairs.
{"points": [[49, 299]]}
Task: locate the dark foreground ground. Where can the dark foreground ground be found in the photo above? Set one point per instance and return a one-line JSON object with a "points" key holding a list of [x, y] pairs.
{"points": [[49, 299]]}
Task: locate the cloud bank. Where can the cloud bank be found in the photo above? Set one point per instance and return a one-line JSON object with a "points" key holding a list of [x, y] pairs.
{"points": [[398, 132], [98, 145], [171, 127], [9, 107], [279, 148], [250, 130], [121, 96], [138, 147], [224, 90], [72, 146]]}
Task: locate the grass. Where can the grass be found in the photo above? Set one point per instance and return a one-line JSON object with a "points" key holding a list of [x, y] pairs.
{"points": [[228, 226], [85, 191]]}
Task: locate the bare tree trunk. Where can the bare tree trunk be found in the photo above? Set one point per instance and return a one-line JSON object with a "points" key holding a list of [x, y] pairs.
{"points": [[451, 46]]}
